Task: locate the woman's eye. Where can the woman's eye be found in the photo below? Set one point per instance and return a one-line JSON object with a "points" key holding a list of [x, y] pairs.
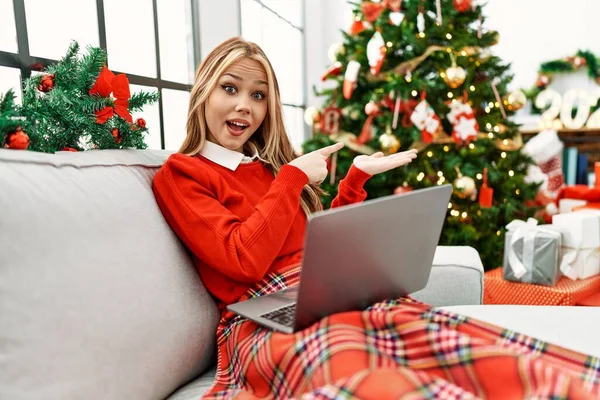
{"points": [[258, 96], [229, 88]]}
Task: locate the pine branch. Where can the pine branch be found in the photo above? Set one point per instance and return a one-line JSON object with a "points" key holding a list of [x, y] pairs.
{"points": [[140, 99], [90, 67]]}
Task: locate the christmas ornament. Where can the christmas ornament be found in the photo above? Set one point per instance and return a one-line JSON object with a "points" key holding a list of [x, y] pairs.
{"points": [[116, 134], [46, 83], [376, 53], [425, 119], [366, 133], [350, 78], [389, 143], [334, 70], [542, 81], [17, 140], [546, 150], [462, 5], [396, 18], [357, 26], [515, 100], [464, 124], [140, 122], [371, 11], [421, 23], [464, 186], [486, 193], [70, 149], [455, 75], [118, 85], [512, 144], [310, 115], [330, 120], [438, 11], [394, 5], [334, 50]]}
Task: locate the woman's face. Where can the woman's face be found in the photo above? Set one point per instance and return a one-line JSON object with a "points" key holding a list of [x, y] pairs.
{"points": [[237, 105]]}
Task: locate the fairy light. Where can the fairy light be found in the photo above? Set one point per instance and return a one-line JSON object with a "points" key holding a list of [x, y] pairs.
{"points": [[408, 77], [441, 181], [491, 105], [454, 213], [449, 206], [420, 177], [440, 174], [503, 154], [389, 44], [498, 233], [497, 104], [487, 110], [430, 153], [488, 126], [479, 213], [471, 146], [472, 88], [496, 129], [450, 95], [479, 176], [414, 93], [463, 53], [511, 173], [518, 191], [477, 63], [421, 35], [443, 74], [464, 214], [491, 135], [446, 149], [448, 36], [505, 142]]}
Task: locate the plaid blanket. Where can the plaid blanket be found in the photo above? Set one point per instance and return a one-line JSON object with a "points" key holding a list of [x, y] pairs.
{"points": [[397, 348]]}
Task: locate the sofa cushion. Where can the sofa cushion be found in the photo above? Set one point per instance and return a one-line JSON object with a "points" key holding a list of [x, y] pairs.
{"points": [[456, 278], [98, 297], [197, 388]]}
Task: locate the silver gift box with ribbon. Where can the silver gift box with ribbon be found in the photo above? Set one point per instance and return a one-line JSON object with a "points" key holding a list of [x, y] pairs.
{"points": [[532, 253]]}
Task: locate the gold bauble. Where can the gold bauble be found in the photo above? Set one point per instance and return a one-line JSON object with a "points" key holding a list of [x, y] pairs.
{"points": [[515, 100], [389, 143], [454, 76], [464, 187]]}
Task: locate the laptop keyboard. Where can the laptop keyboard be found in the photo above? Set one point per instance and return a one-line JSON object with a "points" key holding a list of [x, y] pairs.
{"points": [[283, 316]]}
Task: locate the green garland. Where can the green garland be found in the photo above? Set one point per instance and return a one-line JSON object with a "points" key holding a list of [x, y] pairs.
{"points": [[582, 59], [58, 112]]}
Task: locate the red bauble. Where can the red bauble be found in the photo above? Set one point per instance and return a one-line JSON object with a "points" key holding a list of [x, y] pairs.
{"points": [[116, 134], [17, 140], [141, 122], [70, 149], [46, 83], [462, 5]]}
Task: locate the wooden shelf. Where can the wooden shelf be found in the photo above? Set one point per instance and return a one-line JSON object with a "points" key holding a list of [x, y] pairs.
{"points": [[586, 140]]}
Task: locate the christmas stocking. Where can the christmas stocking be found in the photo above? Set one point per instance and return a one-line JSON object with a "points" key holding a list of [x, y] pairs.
{"points": [[546, 150], [464, 124], [426, 120], [350, 78]]}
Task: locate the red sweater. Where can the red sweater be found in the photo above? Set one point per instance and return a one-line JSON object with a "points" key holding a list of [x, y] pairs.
{"points": [[239, 225]]}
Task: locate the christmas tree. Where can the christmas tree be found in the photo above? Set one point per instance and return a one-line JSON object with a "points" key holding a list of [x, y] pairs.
{"points": [[75, 104], [420, 74]]}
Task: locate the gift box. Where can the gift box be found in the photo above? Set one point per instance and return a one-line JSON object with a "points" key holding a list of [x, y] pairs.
{"points": [[580, 250], [532, 253], [497, 290]]}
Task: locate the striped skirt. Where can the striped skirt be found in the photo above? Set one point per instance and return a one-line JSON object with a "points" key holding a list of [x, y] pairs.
{"points": [[394, 349]]}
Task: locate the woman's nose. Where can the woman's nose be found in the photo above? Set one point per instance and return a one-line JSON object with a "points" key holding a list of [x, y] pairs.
{"points": [[243, 106]]}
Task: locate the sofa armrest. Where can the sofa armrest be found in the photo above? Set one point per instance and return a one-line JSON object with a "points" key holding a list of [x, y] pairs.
{"points": [[456, 278]]}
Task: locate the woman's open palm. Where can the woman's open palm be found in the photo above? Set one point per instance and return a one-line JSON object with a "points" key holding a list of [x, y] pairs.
{"points": [[378, 163]]}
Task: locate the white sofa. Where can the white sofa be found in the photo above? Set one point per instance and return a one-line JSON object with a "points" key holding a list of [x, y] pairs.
{"points": [[99, 299]]}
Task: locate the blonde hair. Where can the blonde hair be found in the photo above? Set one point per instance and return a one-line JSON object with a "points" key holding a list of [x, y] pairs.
{"points": [[270, 138]]}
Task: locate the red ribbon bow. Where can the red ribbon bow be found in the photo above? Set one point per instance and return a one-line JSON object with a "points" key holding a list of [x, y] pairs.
{"points": [[118, 85]]}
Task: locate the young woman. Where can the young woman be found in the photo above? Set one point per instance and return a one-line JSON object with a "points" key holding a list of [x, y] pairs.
{"points": [[238, 196]]}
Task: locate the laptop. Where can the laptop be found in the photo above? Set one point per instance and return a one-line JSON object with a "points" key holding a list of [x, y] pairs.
{"points": [[355, 256]]}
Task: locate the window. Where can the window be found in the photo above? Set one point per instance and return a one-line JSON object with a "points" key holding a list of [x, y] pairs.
{"points": [[151, 41], [277, 27]]}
